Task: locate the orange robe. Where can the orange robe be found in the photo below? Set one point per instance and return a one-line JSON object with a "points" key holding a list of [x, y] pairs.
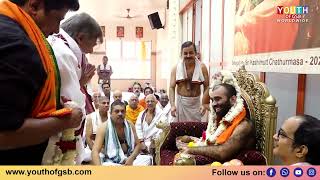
{"points": [[132, 114]]}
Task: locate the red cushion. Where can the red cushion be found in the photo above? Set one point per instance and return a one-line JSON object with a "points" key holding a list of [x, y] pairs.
{"points": [[167, 157], [252, 157]]}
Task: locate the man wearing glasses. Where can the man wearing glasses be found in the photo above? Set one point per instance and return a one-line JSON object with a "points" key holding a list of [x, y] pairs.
{"points": [[298, 141]]}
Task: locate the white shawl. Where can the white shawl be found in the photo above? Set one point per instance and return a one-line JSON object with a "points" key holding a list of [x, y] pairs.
{"points": [[113, 148]]}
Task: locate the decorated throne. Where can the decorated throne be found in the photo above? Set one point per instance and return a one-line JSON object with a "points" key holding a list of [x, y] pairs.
{"points": [[261, 108]]}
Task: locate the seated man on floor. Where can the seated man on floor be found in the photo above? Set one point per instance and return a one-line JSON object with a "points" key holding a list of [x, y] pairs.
{"points": [[146, 123], [93, 121], [95, 99], [117, 95], [136, 89], [298, 141], [165, 106], [148, 90], [121, 144], [229, 131], [106, 90], [133, 109]]}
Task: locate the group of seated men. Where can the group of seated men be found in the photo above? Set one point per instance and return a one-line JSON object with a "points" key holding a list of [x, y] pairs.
{"points": [[129, 136], [126, 134]]}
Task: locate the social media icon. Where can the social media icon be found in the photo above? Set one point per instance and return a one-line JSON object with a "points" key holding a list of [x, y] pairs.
{"points": [[311, 172], [271, 172], [298, 172], [284, 172]]}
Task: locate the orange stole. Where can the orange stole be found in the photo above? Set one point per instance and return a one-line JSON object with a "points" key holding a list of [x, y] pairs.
{"points": [[228, 132], [132, 114], [143, 103], [45, 102]]}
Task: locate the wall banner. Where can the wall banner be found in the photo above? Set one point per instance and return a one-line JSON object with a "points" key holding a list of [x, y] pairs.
{"points": [[273, 36]]}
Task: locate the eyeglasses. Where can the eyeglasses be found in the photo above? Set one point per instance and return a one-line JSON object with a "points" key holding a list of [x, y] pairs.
{"points": [[283, 134]]}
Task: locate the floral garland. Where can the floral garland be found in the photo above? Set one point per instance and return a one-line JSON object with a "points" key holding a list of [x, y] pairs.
{"points": [[66, 151], [213, 132]]}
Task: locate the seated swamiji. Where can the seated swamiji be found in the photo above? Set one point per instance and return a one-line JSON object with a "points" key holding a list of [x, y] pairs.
{"points": [[229, 131]]}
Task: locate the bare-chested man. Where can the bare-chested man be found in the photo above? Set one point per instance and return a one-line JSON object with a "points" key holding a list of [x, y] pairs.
{"points": [[94, 120], [121, 143], [187, 76]]}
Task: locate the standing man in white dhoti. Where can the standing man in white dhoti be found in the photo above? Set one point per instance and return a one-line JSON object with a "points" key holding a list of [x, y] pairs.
{"points": [[146, 123], [77, 37], [188, 76], [120, 140]]}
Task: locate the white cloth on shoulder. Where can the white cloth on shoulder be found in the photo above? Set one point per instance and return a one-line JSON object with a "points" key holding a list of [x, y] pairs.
{"points": [[188, 109], [181, 72], [146, 131], [102, 67], [70, 73], [73, 45], [114, 152], [166, 112]]}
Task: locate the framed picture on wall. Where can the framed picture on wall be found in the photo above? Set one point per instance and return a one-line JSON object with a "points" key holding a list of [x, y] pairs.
{"points": [[120, 31], [139, 32]]}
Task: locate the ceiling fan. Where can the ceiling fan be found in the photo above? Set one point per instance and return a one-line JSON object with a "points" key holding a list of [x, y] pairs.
{"points": [[129, 16]]}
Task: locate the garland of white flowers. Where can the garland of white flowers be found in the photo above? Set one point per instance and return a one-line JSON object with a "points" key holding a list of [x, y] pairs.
{"points": [[68, 157], [213, 132]]}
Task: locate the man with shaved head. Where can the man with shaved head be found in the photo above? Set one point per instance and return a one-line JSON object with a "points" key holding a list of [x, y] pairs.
{"points": [[133, 109], [95, 99], [146, 123], [117, 95], [94, 120], [165, 106]]}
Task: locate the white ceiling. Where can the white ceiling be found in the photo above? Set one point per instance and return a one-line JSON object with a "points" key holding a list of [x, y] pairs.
{"points": [[110, 10]]}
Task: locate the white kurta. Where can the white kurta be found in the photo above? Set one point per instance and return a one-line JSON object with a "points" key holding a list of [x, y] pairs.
{"points": [[146, 131], [96, 122], [166, 112], [70, 73]]}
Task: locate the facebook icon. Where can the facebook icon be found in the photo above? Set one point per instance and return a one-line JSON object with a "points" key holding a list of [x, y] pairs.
{"points": [[271, 172]]}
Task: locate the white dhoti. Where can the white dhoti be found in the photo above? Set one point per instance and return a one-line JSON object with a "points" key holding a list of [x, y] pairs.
{"points": [[141, 160], [188, 109], [87, 155]]}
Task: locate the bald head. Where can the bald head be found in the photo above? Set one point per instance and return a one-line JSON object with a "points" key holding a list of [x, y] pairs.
{"points": [[164, 99], [117, 95], [133, 101]]}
